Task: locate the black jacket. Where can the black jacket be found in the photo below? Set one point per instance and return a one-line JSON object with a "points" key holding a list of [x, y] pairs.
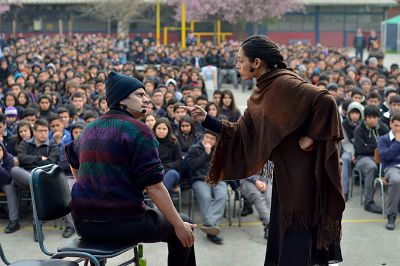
{"points": [[170, 154], [186, 141], [30, 155], [199, 162], [366, 139], [6, 164], [202, 61]]}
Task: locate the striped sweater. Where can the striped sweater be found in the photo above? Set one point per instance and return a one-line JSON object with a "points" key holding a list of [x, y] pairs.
{"points": [[118, 157]]}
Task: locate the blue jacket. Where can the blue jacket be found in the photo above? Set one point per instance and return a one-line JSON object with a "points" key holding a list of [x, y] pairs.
{"points": [[389, 151]]}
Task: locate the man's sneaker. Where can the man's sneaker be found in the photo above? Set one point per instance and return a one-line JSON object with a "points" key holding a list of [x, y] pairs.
{"points": [[391, 224], [210, 230], [68, 232], [214, 239], [346, 197], [247, 208], [372, 207], [12, 227]]}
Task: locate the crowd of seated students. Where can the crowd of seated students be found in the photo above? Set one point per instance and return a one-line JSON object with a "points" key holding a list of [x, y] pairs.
{"points": [[51, 87]]}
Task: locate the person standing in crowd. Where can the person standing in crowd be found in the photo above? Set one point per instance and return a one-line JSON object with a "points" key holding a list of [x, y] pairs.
{"points": [[114, 160], [371, 39], [359, 43], [227, 68], [307, 200]]}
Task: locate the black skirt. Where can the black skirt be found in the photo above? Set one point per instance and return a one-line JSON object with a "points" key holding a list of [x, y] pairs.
{"points": [[295, 248]]}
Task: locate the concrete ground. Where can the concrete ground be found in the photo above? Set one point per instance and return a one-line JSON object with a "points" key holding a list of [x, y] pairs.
{"points": [[365, 240]]}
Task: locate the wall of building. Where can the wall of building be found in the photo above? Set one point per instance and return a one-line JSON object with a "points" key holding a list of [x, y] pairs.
{"points": [[329, 25]]}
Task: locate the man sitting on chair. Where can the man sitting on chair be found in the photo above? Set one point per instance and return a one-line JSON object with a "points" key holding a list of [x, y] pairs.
{"points": [[114, 160], [389, 151], [211, 199]]}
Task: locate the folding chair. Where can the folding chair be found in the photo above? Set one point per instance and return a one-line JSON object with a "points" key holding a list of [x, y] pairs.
{"points": [[380, 180], [3, 198], [185, 184], [50, 199], [236, 211], [49, 262], [357, 172], [176, 198]]}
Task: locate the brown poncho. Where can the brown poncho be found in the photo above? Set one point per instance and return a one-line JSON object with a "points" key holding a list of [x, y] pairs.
{"points": [[281, 109]]}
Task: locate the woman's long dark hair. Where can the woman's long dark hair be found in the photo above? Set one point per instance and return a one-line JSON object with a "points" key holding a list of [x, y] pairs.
{"points": [[262, 47], [188, 119], [232, 107], [170, 136], [210, 104], [22, 123], [28, 99]]}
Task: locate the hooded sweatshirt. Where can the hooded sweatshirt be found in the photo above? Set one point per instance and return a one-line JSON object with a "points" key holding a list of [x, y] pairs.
{"points": [[366, 138], [348, 126]]}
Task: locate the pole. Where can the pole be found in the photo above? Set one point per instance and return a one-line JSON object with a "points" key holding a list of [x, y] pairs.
{"points": [[183, 25], [165, 35], [60, 27], [109, 26], [219, 31], [192, 25], [158, 22], [70, 26]]}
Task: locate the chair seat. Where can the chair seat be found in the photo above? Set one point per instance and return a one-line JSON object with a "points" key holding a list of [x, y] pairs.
{"points": [[96, 249], [45, 263]]}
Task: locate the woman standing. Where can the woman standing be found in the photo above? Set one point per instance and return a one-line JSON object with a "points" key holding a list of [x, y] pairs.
{"points": [[296, 125]]}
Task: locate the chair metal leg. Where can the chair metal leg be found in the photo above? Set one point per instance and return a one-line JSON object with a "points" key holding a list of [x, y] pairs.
{"points": [[191, 204], [136, 253], [240, 209], [179, 200], [234, 204], [351, 180], [382, 197], [229, 209]]}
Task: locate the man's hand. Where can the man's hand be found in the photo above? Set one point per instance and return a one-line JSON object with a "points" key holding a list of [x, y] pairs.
{"points": [[44, 158], [197, 112], [261, 186], [160, 196], [185, 234], [57, 136], [397, 136], [306, 143], [207, 148]]}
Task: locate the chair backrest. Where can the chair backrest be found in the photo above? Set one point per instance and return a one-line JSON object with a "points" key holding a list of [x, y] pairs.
{"points": [[50, 192], [377, 157]]}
